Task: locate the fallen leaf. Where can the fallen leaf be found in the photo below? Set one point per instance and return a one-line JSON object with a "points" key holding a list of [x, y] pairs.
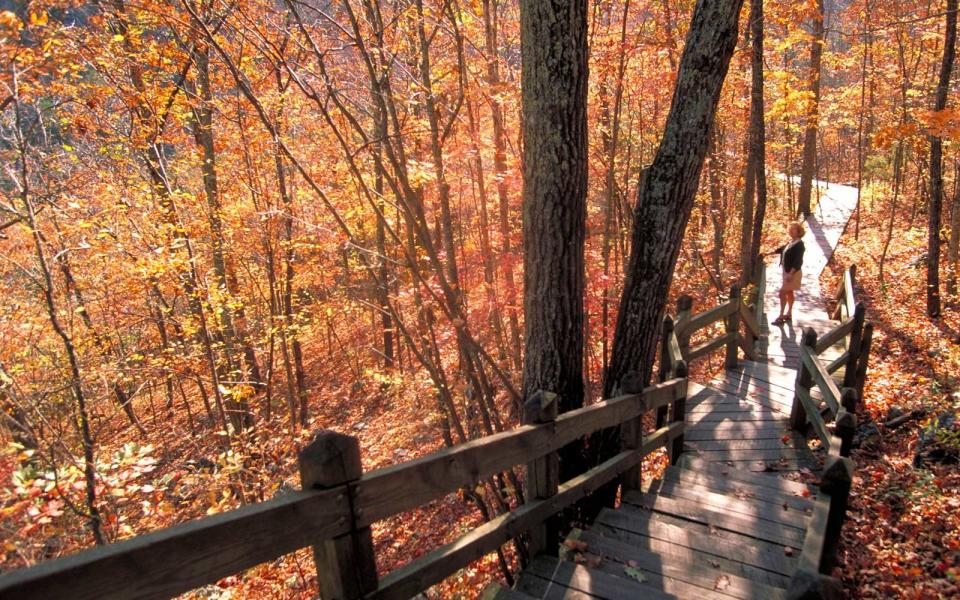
{"points": [[635, 573], [788, 550], [722, 583]]}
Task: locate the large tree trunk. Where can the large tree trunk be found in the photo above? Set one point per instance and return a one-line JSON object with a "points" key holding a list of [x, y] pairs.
{"points": [[813, 115], [554, 84], [668, 188], [936, 168]]}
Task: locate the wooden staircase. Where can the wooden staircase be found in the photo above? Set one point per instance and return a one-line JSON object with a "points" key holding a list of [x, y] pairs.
{"points": [[738, 514]]}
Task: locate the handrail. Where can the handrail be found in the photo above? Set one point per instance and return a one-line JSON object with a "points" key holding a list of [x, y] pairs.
{"points": [[336, 514], [733, 312], [812, 578]]}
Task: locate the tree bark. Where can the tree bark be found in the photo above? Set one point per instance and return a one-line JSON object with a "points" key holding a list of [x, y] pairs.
{"points": [[813, 115], [667, 190], [758, 140], [935, 205], [554, 84]]}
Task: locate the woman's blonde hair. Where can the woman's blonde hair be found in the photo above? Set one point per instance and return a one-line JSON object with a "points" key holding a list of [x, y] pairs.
{"points": [[800, 227]]}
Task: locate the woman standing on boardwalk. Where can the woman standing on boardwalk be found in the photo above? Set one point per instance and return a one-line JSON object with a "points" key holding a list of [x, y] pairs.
{"points": [[791, 260]]}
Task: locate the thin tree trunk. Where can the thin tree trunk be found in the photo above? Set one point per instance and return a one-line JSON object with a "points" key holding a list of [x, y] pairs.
{"points": [[758, 140], [813, 115], [935, 205]]}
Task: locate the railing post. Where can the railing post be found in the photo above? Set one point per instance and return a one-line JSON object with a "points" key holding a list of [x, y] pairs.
{"points": [[835, 482], [733, 328], [678, 414], [853, 347], [543, 474], [346, 565], [798, 414], [846, 424], [631, 432], [808, 585], [865, 345], [684, 313], [666, 363]]}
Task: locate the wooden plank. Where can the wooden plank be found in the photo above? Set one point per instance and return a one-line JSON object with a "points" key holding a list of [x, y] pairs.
{"points": [[813, 544], [406, 486], [735, 547], [814, 417], [740, 489], [168, 562], [706, 318], [495, 591], [591, 580], [734, 417], [673, 550], [418, 575], [747, 347], [838, 363], [710, 345], [728, 502], [848, 292], [742, 443], [749, 319], [833, 336], [697, 512], [823, 380], [769, 455], [775, 482], [762, 466], [538, 587], [693, 568], [720, 431]]}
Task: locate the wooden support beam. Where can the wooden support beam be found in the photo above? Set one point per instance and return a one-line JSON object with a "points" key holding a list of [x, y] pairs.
{"points": [[733, 328], [853, 346], [865, 347], [798, 414], [846, 427], [543, 473], [677, 417], [667, 338], [835, 481], [346, 564]]}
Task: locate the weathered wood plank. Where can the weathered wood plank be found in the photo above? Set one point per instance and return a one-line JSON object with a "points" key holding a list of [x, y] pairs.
{"points": [[773, 481], [171, 561], [706, 318], [728, 503], [712, 416], [741, 443], [495, 591], [734, 547], [693, 568], [389, 491], [838, 363], [753, 454], [694, 511], [813, 417], [719, 431], [435, 566], [823, 379], [741, 489], [834, 336], [710, 345], [592, 580]]}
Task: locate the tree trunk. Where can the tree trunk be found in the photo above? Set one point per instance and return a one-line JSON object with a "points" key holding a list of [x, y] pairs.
{"points": [[935, 205], [667, 190], [758, 140], [554, 84], [813, 115]]}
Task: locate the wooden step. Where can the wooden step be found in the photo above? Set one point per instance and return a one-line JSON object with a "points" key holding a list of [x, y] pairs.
{"points": [[768, 480], [696, 568], [554, 579], [798, 500], [747, 443], [629, 525], [495, 591], [718, 430], [781, 514], [700, 513], [754, 465]]}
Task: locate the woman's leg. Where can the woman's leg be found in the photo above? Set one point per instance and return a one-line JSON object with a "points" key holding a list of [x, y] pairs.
{"points": [[789, 302]]}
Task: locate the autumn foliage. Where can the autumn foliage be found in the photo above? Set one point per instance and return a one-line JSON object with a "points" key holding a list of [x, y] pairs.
{"points": [[225, 225]]}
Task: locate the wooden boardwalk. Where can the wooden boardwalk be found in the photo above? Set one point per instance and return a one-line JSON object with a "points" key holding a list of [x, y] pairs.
{"points": [[730, 519]]}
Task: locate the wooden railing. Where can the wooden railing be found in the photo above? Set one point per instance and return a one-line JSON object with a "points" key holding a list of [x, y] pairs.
{"points": [[812, 578], [338, 503]]}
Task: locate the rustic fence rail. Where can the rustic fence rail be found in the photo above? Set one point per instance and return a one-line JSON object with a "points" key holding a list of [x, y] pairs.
{"points": [[338, 504]]}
